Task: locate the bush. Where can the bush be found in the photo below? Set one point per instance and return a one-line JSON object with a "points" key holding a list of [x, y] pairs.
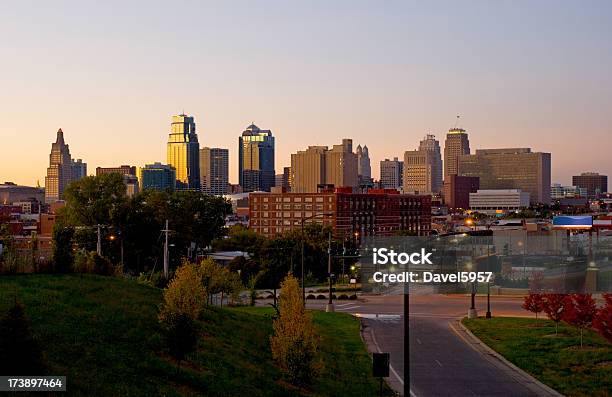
{"points": [[181, 335], [353, 297], [334, 296], [310, 296], [185, 293], [91, 262], [343, 297], [294, 343], [321, 296], [20, 352]]}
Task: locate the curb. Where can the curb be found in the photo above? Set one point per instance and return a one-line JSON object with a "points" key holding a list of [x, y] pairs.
{"points": [[367, 337], [539, 388]]}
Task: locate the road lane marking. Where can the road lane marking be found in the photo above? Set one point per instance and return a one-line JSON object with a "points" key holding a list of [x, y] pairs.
{"points": [[393, 371], [349, 308]]}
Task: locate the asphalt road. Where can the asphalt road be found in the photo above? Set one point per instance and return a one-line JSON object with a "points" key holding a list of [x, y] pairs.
{"points": [[441, 362]]}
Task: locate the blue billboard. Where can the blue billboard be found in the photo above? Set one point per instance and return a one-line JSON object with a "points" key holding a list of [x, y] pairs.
{"points": [[573, 222]]}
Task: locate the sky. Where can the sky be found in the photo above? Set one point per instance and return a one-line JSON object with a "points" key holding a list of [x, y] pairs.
{"points": [[385, 73]]}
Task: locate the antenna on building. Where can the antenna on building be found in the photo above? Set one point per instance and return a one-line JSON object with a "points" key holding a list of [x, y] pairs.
{"points": [[457, 121]]}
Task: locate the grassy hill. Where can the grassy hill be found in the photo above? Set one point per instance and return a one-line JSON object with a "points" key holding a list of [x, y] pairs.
{"points": [[102, 333]]}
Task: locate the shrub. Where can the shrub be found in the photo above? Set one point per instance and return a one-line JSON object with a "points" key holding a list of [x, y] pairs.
{"points": [[603, 320], [185, 293], [310, 296], [334, 296], [321, 296], [534, 303], [343, 297], [353, 297], [554, 307], [20, 352], [181, 335], [580, 310], [294, 343]]}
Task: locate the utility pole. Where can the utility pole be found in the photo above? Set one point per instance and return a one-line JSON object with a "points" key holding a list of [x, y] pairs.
{"points": [[99, 245], [330, 304], [166, 265]]}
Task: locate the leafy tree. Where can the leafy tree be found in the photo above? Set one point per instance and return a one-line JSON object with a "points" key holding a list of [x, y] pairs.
{"points": [[63, 255], [181, 335], [19, 350], [96, 200], [294, 343], [603, 320], [580, 310], [534, 303], [185, 293], [554, 307]]}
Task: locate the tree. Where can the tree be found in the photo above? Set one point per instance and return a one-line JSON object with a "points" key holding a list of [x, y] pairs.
{"points": [[20, 352], [580, 310], [554, 307], [603, 320], [534, 303], [181, 335], [185, 293], [294, 343], [63, 255]]}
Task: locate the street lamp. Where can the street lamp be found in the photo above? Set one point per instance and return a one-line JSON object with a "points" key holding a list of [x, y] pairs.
{"points": [[317, 215]]}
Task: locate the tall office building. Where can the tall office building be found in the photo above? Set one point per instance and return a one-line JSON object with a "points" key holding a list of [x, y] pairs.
{"points": [[364, 170], [79, 169], [256, 159], [157, 176], [184, 152], [594, 183], [59, 172], [319, 165], [132, 186], [513, 168], [456, 144], [423, 167], [283, 180], [214, 170], [391, 173]]}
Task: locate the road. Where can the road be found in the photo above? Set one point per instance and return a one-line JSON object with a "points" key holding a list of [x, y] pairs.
{"points": [[441, 362]]}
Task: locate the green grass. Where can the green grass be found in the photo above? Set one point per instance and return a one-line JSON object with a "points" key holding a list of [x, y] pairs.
{"points": [[556, 360], [102, 333]]}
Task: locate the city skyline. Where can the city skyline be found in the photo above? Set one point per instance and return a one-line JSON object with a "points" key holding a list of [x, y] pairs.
{"points": [[526, 83]]}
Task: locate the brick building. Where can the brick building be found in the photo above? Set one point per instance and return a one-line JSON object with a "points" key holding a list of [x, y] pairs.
{"points": [[381, 212]]}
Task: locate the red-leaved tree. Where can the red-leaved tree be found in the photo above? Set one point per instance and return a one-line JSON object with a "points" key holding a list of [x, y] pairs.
{"points": [[603, 320], [580, 310], [554, 306], [534, 303]]}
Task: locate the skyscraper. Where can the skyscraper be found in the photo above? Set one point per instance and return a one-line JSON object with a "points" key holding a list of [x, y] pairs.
{"points": [[79, 169], [511, 168], [423, 167], [59, 172], [214, 166], [319, 165], [364, 170], [593, 182], [391, 173], [184, 152], [157, 176], [256, 159], [456, 144]]}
